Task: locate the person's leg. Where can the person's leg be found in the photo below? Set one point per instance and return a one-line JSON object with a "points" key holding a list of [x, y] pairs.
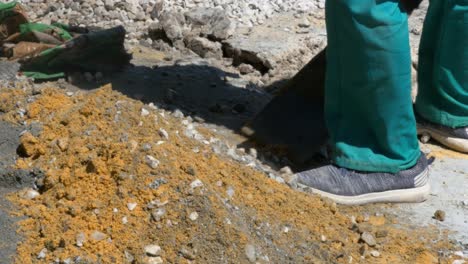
{"points": [[443, 73], [369, 114], [368, 103]]}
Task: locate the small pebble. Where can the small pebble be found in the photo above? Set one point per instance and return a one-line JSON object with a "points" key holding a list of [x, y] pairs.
{"points": [[375, 253], [147, 147], [381, 233], [42, 254], [163, 133], [439, 215], [152, 162], [80, 239], [157, 183], [131, 206], [98, 236], [158, 214], [323, 238], [178, 114], [305, 23], [153, 250], [286, 170], [196, 184], [230, 192], [193, 216], [144, 112], [153, 260], [31, 194], [124, 220], [253, 152], [363, 250], [369, 239], [187, 254], [250, 253]]}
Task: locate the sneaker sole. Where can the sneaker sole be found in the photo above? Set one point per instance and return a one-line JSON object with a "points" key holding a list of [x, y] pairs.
{"points": [[413, 195], [458, 144]]}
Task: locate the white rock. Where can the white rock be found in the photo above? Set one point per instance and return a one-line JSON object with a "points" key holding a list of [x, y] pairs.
{"points": [[375, 253], [152, 106], [158, 214], [80, 239], [196, 184], [323, 238], [144, 112], [31, 194], [154, 260], [286, 170], [153, 250], [163, 133], [305, 23], [98, 236], [230, 192], [193, 216], [42, 254], [152, 162], [131, 206], [250, 253], [124, 220], [253, 152]]}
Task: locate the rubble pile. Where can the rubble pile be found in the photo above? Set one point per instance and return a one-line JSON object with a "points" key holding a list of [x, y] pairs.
{"points": [[137, 15]]}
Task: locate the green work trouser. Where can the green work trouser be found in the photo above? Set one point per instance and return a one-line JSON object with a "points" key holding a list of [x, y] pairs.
{"points": [[443, 64], [368, 105]]}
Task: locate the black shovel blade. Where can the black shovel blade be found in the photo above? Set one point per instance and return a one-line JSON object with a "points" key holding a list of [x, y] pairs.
{"points": [[294, 119]]}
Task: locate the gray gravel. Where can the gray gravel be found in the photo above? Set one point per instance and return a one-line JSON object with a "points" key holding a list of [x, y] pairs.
{"points": [[138, 15]]}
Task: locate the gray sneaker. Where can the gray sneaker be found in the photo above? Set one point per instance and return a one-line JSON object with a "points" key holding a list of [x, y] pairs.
{"points": [[453, 138], [355, 188]]}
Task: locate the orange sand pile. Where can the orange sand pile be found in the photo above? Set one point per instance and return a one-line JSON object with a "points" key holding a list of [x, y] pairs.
{"points": [[101, 188]]}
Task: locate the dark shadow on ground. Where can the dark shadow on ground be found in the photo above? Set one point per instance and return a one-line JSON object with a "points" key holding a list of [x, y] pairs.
{"points": [[10, 180], [196, 90], [224, 99]]}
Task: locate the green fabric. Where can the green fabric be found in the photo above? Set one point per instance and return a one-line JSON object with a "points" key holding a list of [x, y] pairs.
{"points": [[443, 64], [44, 76], [368, 105], [30, 27], [6, 10], [42, 66], [92, 52]]}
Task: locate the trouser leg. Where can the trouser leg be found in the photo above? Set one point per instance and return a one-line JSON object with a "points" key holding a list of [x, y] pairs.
{"points": [[443, 64], [368, 104]]}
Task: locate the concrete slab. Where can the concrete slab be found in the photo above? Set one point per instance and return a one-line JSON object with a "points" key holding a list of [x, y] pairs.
{"points": [[449, 182]]}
